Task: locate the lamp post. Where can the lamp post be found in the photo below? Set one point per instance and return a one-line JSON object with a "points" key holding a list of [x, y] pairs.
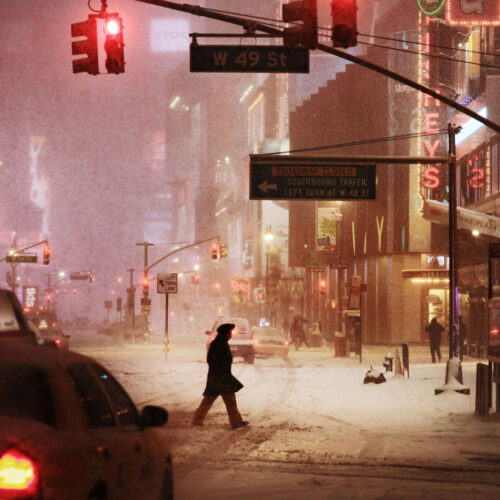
{"points": [[268, 238]]}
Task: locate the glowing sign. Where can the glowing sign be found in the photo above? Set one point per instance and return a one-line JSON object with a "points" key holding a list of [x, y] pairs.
{"points": [[431, 7], [30, 297], [471, 126], [473, 12], [431, 178]]}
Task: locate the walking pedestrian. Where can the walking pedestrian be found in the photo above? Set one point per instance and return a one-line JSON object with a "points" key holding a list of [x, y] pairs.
{"points": [[297, 332], [220, 381], [435, 329]]}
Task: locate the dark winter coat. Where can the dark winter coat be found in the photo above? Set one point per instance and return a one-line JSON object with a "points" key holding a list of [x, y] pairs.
{"points": [[219, 379], [435, 329]]}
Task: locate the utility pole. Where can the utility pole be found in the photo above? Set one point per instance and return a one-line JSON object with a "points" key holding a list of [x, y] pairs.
{"points": [[131, 298], [145, 300], [145, 244]]}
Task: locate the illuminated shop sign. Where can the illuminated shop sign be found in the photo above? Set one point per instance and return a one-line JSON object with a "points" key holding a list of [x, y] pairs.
{"points": [[431, 7], [473, 12], [30, 297], [431, 121]]}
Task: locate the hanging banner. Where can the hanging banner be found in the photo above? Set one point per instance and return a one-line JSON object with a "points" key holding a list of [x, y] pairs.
{"points": [[436, 211], [327, 228]]}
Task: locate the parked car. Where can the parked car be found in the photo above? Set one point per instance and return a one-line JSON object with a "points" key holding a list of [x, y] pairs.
{"points": [[56, 336], [69, 430], [241, 342], [13, 324], [270, 341]]}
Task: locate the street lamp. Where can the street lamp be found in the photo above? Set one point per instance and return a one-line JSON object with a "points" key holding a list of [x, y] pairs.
{"points": [[268, 238]]}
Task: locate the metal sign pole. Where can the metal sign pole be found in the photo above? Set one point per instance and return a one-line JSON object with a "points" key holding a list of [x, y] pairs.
{"points": [[166, 342]]}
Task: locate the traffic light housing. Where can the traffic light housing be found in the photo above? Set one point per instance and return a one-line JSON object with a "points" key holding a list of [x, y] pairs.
{"points": [[113, 29], [223, 250], [46, 255], [145, 287], [87, 46], [344, 28], [305, 34], [215, 252]]}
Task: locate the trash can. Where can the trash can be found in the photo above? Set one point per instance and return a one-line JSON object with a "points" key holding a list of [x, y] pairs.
{"points": [[340, 345]]}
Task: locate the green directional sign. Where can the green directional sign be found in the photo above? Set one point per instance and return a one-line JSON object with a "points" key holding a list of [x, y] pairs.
{"points": [[31, 258], [248, 59], [311, 178]]}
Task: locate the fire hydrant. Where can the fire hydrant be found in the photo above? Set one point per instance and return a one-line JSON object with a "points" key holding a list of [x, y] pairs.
{"points": [[388, 360]]}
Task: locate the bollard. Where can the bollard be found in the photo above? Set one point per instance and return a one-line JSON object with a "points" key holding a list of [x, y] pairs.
{"points": [[482, 390]]}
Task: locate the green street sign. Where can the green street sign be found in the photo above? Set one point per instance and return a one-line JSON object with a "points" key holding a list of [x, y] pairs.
{"points": [[28, 258], [310, 178], [248, 59]]}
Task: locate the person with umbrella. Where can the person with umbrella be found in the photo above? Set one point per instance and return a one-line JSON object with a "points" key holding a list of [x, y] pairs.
{"points": [[220, 380]]}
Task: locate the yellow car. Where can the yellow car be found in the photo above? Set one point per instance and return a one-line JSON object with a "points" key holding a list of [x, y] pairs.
{"points": [[68, 430]]}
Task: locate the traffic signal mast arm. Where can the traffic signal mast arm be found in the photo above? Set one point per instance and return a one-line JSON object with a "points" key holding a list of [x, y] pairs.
{"points": [[196, 243], [252, 26], [43, 242]]}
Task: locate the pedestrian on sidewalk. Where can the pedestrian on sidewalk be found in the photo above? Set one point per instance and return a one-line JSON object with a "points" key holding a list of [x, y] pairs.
{"points": [[297, 332], [435, 329], [220, 381]]}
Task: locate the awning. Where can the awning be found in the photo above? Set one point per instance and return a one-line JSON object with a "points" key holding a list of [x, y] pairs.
{"points": [[437, 211]]}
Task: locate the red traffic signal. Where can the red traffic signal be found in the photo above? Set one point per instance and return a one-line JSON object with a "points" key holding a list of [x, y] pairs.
{"points": [[344, 27], [87, 45], [215, 251], [323, 284], [145, 287], [46, 255], [113, 29], [305, 34]]}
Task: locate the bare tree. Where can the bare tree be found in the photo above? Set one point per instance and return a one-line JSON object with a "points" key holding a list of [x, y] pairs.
{"points": [[290, 291]]}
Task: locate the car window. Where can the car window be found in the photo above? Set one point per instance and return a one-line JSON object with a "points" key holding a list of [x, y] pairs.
{"points": [[11, 318], [124, 407], [92, 399], [25, 393]]}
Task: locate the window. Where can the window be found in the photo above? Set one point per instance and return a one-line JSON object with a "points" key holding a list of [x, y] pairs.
{"points": [[125, 410], [92, 399], [25, 393]]}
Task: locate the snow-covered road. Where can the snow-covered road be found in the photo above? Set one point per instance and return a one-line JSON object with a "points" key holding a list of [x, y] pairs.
{"points": [[316, 430]]}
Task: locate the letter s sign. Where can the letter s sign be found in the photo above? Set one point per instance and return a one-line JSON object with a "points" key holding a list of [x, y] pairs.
{"points": [[431, 178]]}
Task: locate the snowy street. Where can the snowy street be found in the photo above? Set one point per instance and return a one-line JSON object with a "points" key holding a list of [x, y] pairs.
{"points": [[315, 429]]}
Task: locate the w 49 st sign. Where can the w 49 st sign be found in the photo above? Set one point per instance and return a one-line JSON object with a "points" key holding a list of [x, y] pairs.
{"points": [[248, 59]]}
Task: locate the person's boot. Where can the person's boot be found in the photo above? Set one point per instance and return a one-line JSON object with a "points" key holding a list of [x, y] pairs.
{"points": [[243, 423]]}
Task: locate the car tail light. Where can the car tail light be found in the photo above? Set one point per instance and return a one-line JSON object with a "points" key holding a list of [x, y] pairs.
{"points": [[17, 473], [57, 342]]}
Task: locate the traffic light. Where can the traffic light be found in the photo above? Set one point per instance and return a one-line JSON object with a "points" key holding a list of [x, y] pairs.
{"points": [[145, 287], [223, 250], [46, 255], [113, 29], [91, 278], [305, 34], [344, 29], [87, 46], [215, 251], [322, 286]]}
